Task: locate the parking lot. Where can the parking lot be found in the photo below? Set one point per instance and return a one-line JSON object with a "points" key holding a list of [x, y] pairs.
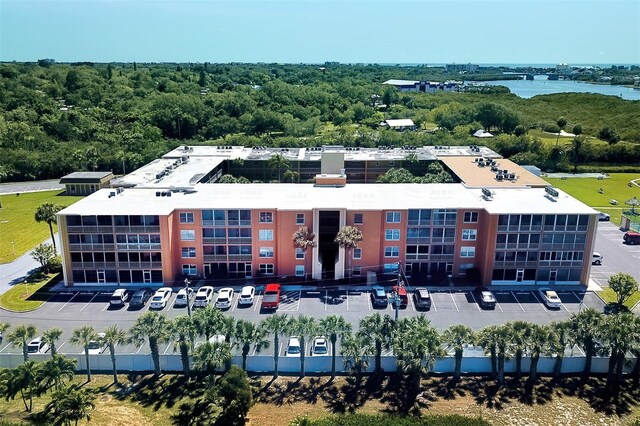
{"points": [[618, 257], [72, 309]]}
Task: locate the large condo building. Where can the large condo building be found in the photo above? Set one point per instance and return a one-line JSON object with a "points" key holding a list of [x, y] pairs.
{"points": [[499, 224]]}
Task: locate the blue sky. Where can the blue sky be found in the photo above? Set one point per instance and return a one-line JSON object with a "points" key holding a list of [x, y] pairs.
{"points": [[508, 31]]}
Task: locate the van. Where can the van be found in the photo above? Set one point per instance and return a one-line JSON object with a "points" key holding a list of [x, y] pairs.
{"points": [[403, 298], [631, 238]]}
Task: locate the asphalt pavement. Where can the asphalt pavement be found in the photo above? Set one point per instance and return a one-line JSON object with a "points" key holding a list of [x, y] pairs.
{"points": [[618, 257], [37, 186]]}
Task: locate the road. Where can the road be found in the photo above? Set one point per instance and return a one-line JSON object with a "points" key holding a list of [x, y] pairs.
{"points": [[13, 273], [37, 186]]}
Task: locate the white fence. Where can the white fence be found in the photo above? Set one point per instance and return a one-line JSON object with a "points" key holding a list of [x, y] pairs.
{"points": [[316, 364]]}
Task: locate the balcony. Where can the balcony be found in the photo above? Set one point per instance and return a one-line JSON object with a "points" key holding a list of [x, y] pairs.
{"points": [[214, 222], [233, 257], [139, 265], [211, 240], [414, 256], [92, 247], [93, 265], [425, 240], [136, 229], [240, 240], [442, 256], [516, 264], [90, 229], [215, 257]]}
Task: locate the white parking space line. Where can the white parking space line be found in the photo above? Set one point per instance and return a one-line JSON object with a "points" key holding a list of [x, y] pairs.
{"points": [[167, 349], [139, 349], [233, 305], [105, 307], [413, 305], [498, 305], [72, 297], [6, 346], [60, 347], [326, 299], [347, 300], [520, 304], [369, 302], [454, 302], [256, 301], [433, 304], [87, 304], [476, 302]]}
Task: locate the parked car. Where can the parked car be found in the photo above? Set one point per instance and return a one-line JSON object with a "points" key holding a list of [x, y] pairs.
{"points": [[604, 217], [320, 346], [216, 338], [203, 296], [403, 298], [181, 297], [485, 298], [293, 347], [246, 295], [596, 258], [119, 297], [550, 298], [613, 202], [160, 298], [379, 297], [140, 298], [631, 238], [97, 346], [225, 297], [271, 298], [422, 298], [37, 346]]}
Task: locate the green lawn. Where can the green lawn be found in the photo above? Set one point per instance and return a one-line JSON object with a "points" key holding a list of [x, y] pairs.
{"points": [[17, 223], [29, 296], [609, 296], [614, 187]]}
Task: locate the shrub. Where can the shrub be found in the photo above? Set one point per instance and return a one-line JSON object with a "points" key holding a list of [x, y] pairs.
{"points": [[380, 420], [55, 265]]}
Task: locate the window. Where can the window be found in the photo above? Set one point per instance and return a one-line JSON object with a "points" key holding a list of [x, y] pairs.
{"points": [[390, 267], [266, 235], [266, 217], [357, 253], [189, 270], [188, 252], [266, 252], [419, 217], [470, 217], [469, 234], [467, 252], [266, 268], [299, 270], [356, 271], [187, 235], [299, 218], [392, 235], [299, 253], [464, 267], [392, 251], [357, 219], [239, 217], [186, 217], [393, 217]]}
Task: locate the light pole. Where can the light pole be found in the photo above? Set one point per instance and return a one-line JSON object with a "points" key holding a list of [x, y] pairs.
{"points": [[186, 286]]}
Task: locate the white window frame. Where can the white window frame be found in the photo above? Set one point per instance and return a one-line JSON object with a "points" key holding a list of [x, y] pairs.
{"points": [[300, 253], [467, 252], [265, 252], [265, 267], [392, 235], [300, 218], [300, 271], [190, 251], [265, 235], [265, 217], [394, 217], [357, 253], [187, 235], [392, 251], [469, 234], [187, 217]]}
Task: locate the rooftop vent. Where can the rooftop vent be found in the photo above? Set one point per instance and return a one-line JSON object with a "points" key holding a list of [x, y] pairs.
{"points": [[486, 193], [549, 190]]}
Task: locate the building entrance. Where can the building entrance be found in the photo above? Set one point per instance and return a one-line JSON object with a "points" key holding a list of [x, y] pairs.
{"points": [[329, 224]]}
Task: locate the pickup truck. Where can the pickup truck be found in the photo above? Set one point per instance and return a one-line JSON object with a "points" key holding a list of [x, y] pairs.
{"points": [[271, 297]]}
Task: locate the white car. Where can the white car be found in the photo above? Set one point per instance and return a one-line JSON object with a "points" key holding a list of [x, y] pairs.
{"points": [[217, 338], [97, 346], [203, 297], [550, 298], [225, 297], [37, 346], [604, 217], [181, 297], [319, 346], [246, 295], [160, 298], [597, 258], [293, 347]]}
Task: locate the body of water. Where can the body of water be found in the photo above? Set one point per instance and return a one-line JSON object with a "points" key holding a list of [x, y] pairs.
{"points": [[541, 86]]}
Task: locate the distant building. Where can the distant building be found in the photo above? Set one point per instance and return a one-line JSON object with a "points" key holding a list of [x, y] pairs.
{"points": [[400, 125], [461, 67], [563, 69], [423, 86], [85, 183], [482, 134]]}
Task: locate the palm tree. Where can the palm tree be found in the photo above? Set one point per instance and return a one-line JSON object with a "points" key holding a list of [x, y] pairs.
{"points": [[51, 336], [54, 370], [211, 356], [561, 122], [538, 340], [83, 336], [585, 327], [503, 349], [114, 336], [207, 321], [458, 336], [559, 338], [303, 238], [620, 333], [487, 339], [248, 334], [416, 344], [279, 162], [348, 237], [4, 326], [20, 338], [355, 353], [334, 326], [576, 152], [23, 380], [46, 212], [154, 327], [227, 327], [377, 331], [277, 325], [519, 338], [302, 326], [71, 404], [184, 328]]}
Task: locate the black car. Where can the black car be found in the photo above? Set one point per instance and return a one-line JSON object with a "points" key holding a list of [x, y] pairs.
{"points": [[140, 298], [422, 298], [485, 298], [379, 297]]}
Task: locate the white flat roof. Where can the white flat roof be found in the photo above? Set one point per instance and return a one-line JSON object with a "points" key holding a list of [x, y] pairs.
{"points": [[401, 122], [143, 201], [395, 82]]}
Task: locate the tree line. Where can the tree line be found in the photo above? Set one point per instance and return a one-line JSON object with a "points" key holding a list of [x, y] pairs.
{"points": [[59, 118]]}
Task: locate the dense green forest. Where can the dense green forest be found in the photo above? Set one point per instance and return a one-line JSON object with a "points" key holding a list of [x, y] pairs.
{"points": [[58, 118]]}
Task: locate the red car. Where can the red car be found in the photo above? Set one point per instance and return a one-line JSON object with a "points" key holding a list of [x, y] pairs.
{"points": [[271, 298], [402, 296]]}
